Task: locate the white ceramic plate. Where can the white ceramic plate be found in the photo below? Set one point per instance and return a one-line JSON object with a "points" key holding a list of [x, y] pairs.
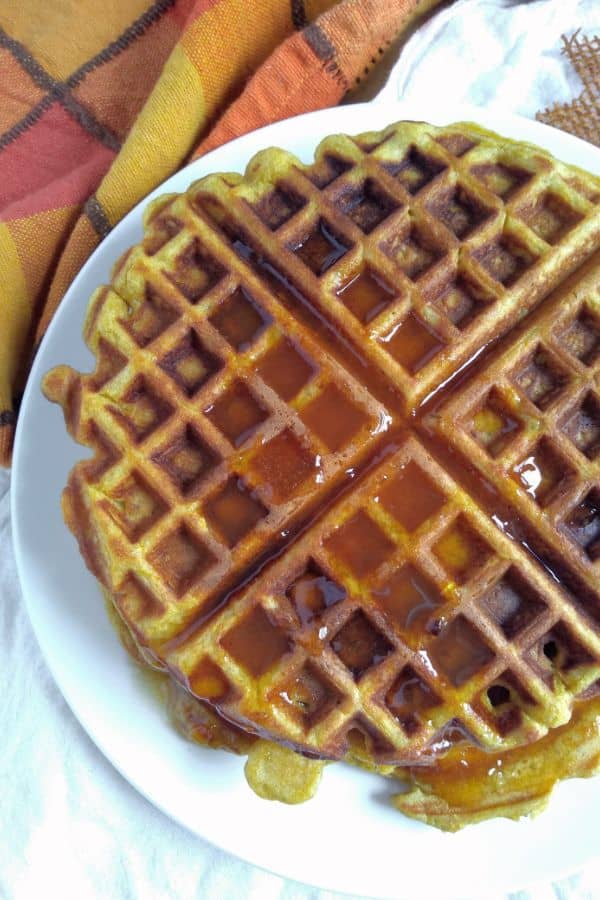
{"points": [[348, 838]]}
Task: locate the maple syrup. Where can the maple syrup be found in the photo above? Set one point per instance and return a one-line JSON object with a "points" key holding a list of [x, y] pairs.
{"points": [[460, 651], [234, 511], [207, 680], [461, 551], [541, 472], [313, 592], [468, 779], [255, 642], [360, 544], [286, 369], [412, 343], [309, 694], [321, 248], [240, 320], [237, 413], [334, 418], [408, 598], [366, 295], [409, 698], [360, 645], [283, 464], [411, 498]]}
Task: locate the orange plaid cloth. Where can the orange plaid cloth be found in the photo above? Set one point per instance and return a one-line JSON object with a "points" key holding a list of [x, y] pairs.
{"points": [[99, 103]]}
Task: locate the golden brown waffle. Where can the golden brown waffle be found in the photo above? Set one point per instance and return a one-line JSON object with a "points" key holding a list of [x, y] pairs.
{"points": [[456, 789], [529, 419], [269, 504], [419, 244], [390, 620], [249, 439]]}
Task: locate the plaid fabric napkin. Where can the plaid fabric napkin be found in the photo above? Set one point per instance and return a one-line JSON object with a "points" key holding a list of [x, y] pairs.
{"points": [[99, 103]]}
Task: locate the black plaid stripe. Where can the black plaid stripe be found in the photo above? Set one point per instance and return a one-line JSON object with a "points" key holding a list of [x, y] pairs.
{"points": [[36, 72], [60, 91], [299, 18], [27, 121], [131, 33], [95, 213], [7, 417], [320, 44]]}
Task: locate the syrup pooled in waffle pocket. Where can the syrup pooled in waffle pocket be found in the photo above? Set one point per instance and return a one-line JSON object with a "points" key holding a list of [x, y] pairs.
{"points": [[346, 429]]}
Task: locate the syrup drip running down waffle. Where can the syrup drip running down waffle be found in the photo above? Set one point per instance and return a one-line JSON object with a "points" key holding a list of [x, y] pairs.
{"points": [[338, 490]]}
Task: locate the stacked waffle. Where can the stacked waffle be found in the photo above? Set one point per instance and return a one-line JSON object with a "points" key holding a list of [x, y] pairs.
{"points": [[345, 483]]}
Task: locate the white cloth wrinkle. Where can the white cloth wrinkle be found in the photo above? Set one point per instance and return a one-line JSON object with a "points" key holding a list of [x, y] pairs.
{"points": [[494, 53]]}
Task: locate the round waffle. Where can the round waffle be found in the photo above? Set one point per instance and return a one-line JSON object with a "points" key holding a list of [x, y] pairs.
{"points": [[310, 495]]}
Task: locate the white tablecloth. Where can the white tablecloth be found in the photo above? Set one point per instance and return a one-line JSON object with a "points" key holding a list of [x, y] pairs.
{"points": [[498, 53], [70, 825]]}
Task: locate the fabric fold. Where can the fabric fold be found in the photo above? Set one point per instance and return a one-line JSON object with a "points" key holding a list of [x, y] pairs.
{"points": [[159, 85]]}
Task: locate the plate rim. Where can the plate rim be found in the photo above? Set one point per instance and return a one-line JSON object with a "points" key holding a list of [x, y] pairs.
{"points": [[398, 110]]}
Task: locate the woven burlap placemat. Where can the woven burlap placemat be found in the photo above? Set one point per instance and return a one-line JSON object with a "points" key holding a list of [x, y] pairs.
{"points": [[581, 116]]}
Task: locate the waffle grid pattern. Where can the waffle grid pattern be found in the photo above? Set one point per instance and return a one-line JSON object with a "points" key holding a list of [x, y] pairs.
{"points": [[257, 358], [536, 432], [363, 659], [216, 426], [465, 240]]}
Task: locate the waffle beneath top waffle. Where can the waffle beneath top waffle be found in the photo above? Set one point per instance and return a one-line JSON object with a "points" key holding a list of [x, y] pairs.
{"points": [[456, 788], [311, 495]]}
